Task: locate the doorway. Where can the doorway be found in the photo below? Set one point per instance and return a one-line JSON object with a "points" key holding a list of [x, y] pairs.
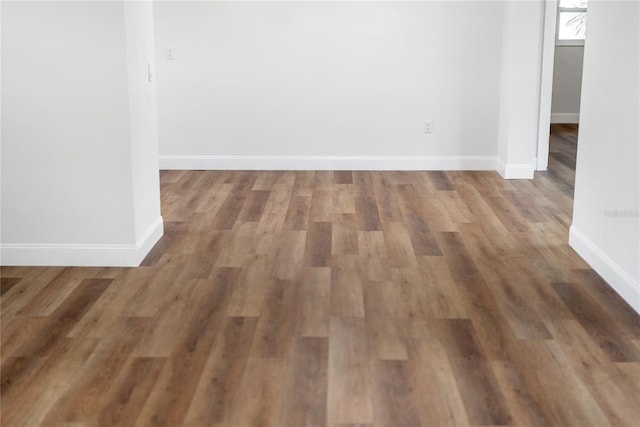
{"points": [[561, 75]]}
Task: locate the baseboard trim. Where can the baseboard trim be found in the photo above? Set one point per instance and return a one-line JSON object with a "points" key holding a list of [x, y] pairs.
{"points": [[565, 118], [149, 238], [515, 171], [612, 273], [83, 255], [327, 163]]}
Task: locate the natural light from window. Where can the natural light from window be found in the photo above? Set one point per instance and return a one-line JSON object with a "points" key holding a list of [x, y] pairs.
{"points": [[572, 20]]}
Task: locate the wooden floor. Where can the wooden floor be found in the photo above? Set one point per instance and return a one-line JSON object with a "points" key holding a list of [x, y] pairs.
{"points": [[337, 299]]}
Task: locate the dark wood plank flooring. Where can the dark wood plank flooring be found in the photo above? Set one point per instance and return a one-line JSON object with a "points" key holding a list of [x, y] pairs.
{"points": [[336, 299]]}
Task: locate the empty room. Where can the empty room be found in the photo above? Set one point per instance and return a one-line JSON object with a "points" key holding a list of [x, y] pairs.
{"points": [[320, 213]]}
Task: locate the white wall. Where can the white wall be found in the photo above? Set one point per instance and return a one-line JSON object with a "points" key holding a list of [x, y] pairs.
{"points": [[143, 118], [606, 226], [567, 81], [329, 84], [519, 95], [52, 82], [71, 146]]}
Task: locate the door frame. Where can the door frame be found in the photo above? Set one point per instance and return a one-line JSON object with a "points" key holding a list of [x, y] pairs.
{"points": [[546, 82]]}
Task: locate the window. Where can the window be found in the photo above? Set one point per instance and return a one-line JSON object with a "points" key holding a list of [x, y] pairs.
{"points": [[572, 22]]}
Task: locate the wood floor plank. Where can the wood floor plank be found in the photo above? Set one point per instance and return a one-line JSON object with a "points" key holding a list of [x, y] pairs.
{"points": [[217, 390], [445, 301], [589, 363], [169, 402], [46, 385], [323, 180], [317, 250], [367, 213], [578, 407], [417, 223], [517, 307], [6, 283], [275, 331], [305, 400], [273, 219], [523, 394], [16, 373], [520, 204], [347, 298], [238, 248], [162, 340], [371, 245], [247, 296], [414, 304], [398, 244], [394, 398], [19, 335], [321, 206], [64, 318], [254, 206], [385, 337], [363, 184], [610, 301], [598, 324], [454, 208], [102, 317], [507, 214], [500, 237], [260, 394], [388, 207], [385, 311], [84, 398], [297, 215], [304, 183], [350, 382], [213, 200], [481, 394], [316, 302], [21, 294], [392, 297], [540, 293], [477, 297], [436, 391], [124, 401], [265, 180], [125, 297], [343, 177], [288, 262], [343, 199], [440, 181], [229, 211], [344, 235]]}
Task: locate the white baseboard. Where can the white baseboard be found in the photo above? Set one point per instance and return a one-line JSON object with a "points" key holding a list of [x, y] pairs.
{"points": [[612, 273], [83, 255], [515, 171], [565, 117], [147, 240], [328, 162]]}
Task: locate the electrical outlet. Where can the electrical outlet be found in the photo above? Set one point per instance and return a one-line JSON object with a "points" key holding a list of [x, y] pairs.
{"points": [[170, 53], [428, 126]]}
